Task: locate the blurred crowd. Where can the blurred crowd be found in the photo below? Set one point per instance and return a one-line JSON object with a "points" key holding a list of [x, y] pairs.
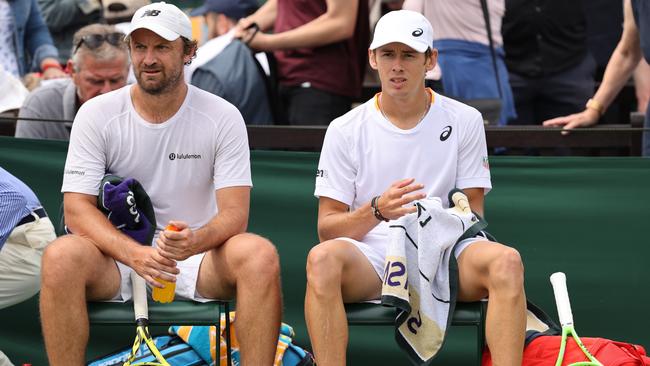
{"points": [[283, 62]]}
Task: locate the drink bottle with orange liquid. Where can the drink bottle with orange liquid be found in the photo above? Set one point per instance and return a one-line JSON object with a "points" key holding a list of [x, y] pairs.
{"points": [[165, 294]]}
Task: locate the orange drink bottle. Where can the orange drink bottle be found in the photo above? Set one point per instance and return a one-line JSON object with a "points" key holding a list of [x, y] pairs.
{"points": [[165, 294]]}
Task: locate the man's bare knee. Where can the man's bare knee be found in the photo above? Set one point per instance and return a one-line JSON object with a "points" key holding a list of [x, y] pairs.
{"points": [[322, 266], [507, 271], [259, 257], [62, 258]]}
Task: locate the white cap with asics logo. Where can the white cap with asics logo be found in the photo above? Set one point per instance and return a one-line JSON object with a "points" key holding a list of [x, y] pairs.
{"points": [[166, 20], [403, 26]]}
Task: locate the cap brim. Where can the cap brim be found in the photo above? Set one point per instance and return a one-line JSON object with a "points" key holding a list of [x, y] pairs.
{"points": [[158, 29], [201, 10], [418, 46]]}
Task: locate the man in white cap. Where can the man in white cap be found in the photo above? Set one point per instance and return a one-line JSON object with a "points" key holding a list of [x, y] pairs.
{"points": [[405, 144], [189, 151]]}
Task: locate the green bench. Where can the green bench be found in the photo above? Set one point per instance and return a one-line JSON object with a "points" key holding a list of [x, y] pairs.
{"points": [[465, 315]]}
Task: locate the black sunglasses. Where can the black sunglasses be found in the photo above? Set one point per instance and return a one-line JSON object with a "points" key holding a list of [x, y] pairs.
{"points": [[93, 41]]}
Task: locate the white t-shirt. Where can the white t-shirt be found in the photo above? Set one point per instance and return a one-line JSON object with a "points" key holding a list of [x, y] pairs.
{"points": [[180, 163], [364, 153]]}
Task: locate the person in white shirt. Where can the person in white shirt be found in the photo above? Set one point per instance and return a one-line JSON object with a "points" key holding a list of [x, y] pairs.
{"points": [[405, 144], [189, 151]]}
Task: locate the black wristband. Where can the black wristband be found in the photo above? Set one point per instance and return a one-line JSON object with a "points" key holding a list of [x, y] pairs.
{"points": [[375, 209]]}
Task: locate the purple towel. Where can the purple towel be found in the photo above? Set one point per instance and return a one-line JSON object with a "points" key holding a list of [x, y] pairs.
{"points": [[126, 204]]}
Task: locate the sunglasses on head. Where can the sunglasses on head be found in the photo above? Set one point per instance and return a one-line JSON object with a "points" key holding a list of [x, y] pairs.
{"points": [[93, 41]]}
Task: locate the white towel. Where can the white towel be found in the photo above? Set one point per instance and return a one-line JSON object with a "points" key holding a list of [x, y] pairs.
{"points": [[418, 279]]}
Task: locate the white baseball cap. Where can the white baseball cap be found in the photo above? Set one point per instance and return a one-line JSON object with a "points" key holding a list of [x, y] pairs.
{"points": [[404, 26], [166, 20]]}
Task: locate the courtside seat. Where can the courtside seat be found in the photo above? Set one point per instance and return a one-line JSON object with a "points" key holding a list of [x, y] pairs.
{"points": [[177, 312], [470, 314]]}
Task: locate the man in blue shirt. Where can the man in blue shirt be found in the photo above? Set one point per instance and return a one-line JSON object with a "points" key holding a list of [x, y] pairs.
{"points": [[25, 230]]}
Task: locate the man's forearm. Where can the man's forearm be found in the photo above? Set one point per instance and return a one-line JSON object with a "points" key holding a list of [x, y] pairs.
{"points": [[336, 24], [265, 15], [618, 72], [84, 219], [625, 58], [221, 228], [355, 224]]}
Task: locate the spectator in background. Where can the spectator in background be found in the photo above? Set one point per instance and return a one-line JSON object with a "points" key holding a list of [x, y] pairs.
{"points": [[25, 230], [25, 42], [551, 69], [226, 67], [464, 54], [634, 44], [65, 17], [320, 47], [99, 64], [119, 12]]}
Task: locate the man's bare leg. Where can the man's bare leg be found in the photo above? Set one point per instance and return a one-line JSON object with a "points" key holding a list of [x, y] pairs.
{"points": [[496, 271], [247, 266], [72, 270], [337, 271]]}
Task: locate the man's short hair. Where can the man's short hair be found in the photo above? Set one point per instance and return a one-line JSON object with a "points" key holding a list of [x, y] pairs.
{"points": [[101, 41]]}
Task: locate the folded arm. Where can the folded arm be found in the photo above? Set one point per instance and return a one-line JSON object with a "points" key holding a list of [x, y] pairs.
{"points": [[232, 219]]}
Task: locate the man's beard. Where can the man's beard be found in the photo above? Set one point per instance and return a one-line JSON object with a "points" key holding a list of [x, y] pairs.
{"points": [[159, 87]]}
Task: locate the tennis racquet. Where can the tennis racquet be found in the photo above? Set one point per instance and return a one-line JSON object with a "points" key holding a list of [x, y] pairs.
{"points": [[558, 280], [141, 310]]}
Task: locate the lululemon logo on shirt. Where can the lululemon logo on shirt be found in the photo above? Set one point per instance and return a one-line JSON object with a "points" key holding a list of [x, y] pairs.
{"points": [[181, 156], [418, 32], [150, 13], [446, 132]]}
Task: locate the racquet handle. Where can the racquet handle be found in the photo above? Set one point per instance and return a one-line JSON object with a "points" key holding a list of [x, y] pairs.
{"points": [[460, 200], [558, 280], [140, 306]]}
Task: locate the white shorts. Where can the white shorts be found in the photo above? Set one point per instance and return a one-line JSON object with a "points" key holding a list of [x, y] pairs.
{"points": [[185, 281], [374, 248]]}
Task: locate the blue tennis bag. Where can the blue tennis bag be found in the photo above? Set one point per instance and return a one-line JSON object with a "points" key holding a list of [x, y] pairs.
{"points": [[172, 347]]}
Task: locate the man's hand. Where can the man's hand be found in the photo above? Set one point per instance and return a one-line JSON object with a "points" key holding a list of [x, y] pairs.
{"points": [[391, 203], [151, 265], [586, 118], [176, 245]]}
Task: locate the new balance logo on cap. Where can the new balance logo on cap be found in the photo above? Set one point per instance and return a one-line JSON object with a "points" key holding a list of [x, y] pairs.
{"points": [[150, 13]]}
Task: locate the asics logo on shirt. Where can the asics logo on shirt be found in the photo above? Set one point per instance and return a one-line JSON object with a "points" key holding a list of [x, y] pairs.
{"points": [[418, 32], [446, 132]]}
